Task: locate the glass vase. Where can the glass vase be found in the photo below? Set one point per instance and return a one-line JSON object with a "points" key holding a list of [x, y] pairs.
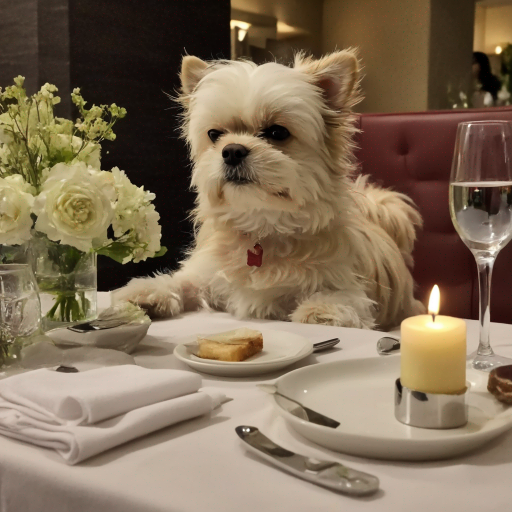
{"points": [[67, 280]]}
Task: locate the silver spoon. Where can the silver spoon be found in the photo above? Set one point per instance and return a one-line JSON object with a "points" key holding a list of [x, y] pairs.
{"points": [[388, 345], [330, 474], [307, 414]]}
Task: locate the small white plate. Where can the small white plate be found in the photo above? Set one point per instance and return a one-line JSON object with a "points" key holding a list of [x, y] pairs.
{"points": [[280, 349], [360, 395]]}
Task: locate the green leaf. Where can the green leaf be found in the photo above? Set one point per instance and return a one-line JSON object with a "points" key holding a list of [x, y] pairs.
{"points": [[161, 252], [117, 251]]}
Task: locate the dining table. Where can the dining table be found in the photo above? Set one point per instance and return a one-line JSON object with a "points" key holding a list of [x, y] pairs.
{"points": [[202, 465]]}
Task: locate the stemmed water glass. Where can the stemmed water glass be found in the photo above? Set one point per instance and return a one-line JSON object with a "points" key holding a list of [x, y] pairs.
{"points": [[20, 311], [481, 210]]}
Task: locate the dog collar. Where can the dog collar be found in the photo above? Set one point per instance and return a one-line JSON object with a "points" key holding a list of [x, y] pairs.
{"points": [[254, 256], [255, 259]]}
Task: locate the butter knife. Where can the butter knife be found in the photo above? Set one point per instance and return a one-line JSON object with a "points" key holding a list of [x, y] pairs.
{"points": [[330, 474], [302, 412], [324, 345]]}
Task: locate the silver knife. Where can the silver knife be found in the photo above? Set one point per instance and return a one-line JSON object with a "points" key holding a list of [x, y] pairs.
{"points": [[324, 345], [302, 412], [330, 474]]}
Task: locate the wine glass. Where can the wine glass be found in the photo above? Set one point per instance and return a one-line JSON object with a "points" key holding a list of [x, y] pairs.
{"points": [[20, 311], [481, 210]]}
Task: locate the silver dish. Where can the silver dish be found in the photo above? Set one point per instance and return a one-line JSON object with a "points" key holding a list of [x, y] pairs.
{"points": [[121, 327], [430, 410]]}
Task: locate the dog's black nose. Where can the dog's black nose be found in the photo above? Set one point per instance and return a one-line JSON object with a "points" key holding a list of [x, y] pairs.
{"points": [[233, 154]]}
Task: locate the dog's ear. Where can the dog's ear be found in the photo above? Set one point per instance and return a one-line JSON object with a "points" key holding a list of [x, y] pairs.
{"points": [[192, 70], [337, 74]]}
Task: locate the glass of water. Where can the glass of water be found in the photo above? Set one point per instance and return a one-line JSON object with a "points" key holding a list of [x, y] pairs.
{"points": [[481, 210], [20, 311]]}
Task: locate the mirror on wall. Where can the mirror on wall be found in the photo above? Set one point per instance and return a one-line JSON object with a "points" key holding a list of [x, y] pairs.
{"points": [[421, 55], [492, 57]]}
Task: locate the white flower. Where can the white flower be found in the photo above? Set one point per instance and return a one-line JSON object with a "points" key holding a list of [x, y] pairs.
{"points": [[136, 220], [5, 128], [147, 233], [15, 204], [4, 152], [130, 199], [90, 153], [106, 182], [74, 207]]}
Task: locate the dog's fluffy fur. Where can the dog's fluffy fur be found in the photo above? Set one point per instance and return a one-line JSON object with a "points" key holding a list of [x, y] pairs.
{"points": [[336, 250]]}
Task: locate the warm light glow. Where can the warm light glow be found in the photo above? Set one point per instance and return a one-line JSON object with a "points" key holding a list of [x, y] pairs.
{"points": [[498, 50], [242, 25], [284, 28], [435, 299]]}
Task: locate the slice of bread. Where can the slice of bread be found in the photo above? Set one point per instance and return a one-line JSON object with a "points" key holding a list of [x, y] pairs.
{"points": [[233, 346]]}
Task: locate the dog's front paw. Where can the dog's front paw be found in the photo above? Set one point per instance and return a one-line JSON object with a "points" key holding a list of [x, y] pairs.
{"points": [[156, 295], [339, 315]]}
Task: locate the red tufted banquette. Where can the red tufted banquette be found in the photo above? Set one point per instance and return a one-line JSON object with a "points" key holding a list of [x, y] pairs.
{"points": [[412, 153]]}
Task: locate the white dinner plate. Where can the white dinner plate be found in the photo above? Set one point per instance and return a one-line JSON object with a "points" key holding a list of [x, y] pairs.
{"points": [[280, 349], [360, 395]]}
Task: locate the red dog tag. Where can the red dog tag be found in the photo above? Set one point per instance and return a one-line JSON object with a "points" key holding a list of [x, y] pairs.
{"points": [[255, 259]]}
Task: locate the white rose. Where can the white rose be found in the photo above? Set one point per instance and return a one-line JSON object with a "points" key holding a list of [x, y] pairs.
{"points": [[74, 207], [106, 182], [15, 204]]}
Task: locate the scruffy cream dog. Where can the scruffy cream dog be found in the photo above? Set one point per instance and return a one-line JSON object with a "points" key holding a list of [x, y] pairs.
{"points": [[283, 230]]}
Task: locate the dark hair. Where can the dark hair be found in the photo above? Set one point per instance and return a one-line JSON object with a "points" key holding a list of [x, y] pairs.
{"points": [[490, 83]]}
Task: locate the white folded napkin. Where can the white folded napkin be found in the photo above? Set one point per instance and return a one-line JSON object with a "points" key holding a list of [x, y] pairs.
{"points": [[82, 414]]}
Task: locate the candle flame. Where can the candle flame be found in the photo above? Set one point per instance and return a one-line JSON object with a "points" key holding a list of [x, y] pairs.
{"points": [[435, 299]]}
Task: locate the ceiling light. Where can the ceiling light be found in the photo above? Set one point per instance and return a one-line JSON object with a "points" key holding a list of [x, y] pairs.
{"points": [[498, 50]]}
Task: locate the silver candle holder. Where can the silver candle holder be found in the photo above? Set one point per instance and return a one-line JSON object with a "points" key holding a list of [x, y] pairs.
{"points": [[430, 410]]}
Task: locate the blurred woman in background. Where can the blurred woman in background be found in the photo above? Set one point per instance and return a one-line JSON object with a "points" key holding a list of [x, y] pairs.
{"points": [[486, 84]]}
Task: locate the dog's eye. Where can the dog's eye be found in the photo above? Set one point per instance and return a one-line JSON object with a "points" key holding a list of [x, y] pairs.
{"points": [[276, 132], [214, 135]]}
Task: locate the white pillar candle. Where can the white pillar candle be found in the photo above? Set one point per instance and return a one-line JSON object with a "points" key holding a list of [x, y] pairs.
{"points": [[433, 352]]}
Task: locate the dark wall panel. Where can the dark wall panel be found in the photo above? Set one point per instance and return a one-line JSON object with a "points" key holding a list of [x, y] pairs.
{"points": [[129, 52], [19, 42]]}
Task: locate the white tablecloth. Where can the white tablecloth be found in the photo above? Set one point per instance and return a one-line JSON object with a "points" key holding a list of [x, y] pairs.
{"points": [[201, 465]]}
